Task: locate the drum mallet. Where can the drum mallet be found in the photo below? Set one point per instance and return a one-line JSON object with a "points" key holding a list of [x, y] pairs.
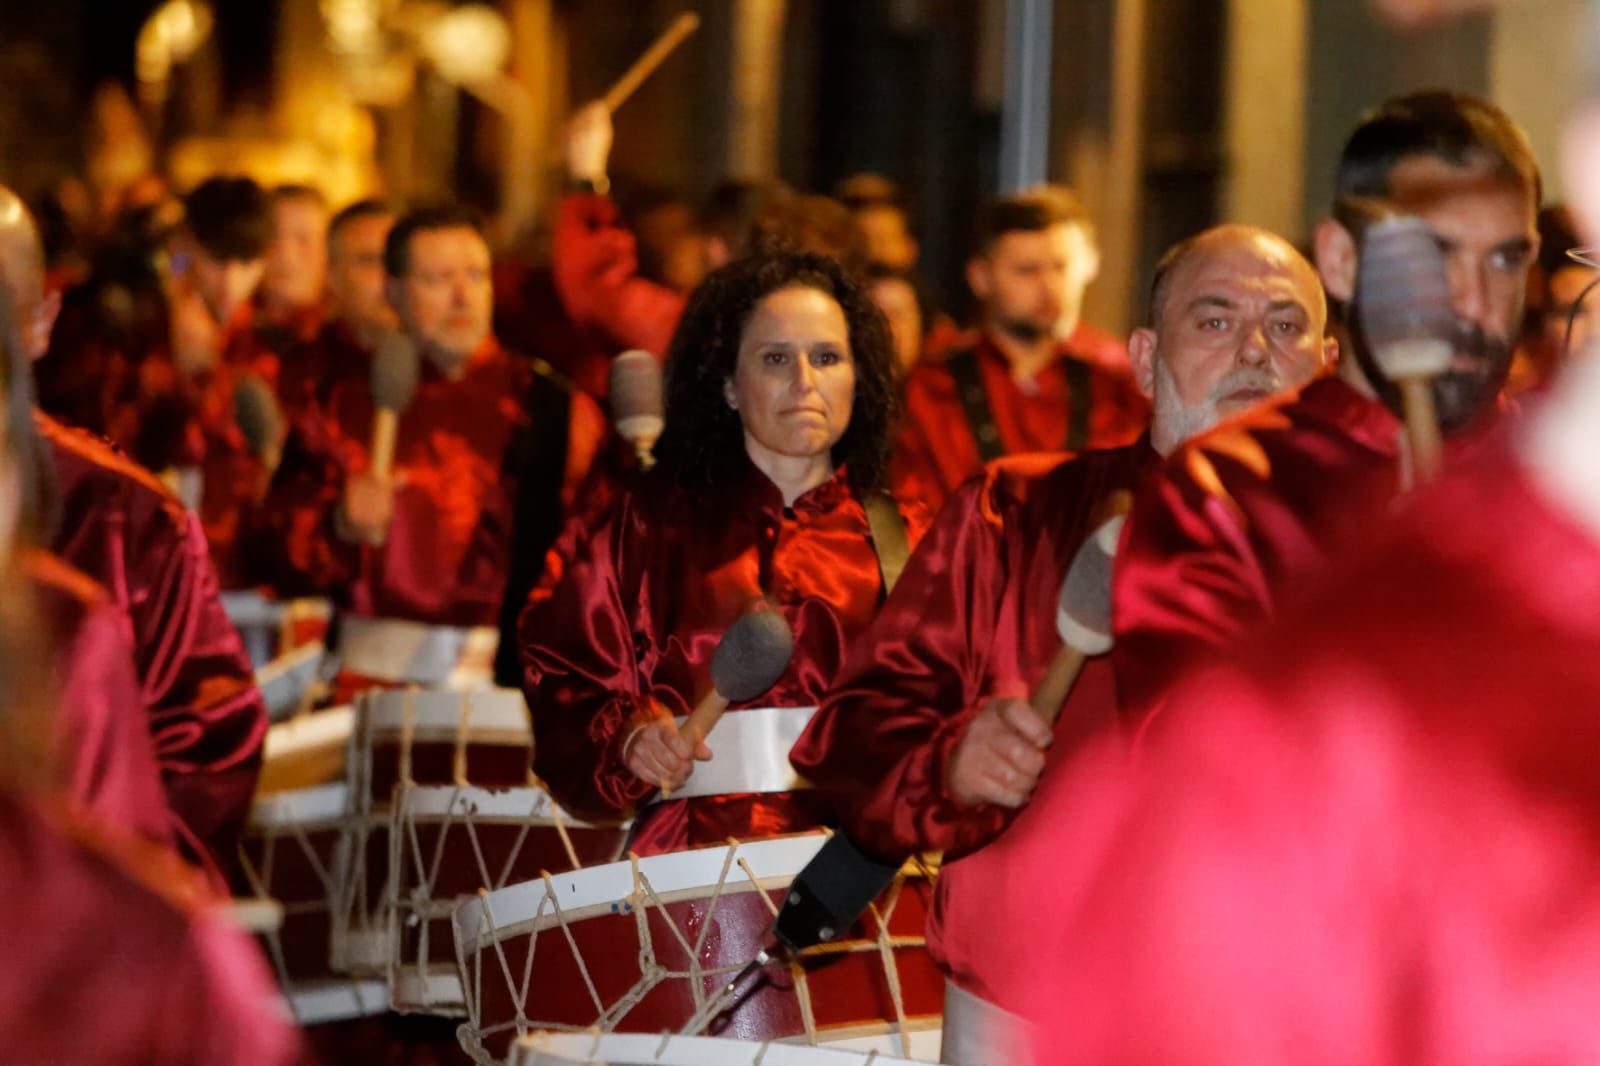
{"points": [[638, 409], [653, 57], [396, 368], [750, 657], [1406, 314]]}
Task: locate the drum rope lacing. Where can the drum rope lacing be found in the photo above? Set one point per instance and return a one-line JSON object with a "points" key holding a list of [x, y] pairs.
{"points": [[639, 901], [260, 879]]}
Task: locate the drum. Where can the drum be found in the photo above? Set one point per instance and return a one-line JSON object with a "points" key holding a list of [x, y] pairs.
{"points": [[451, 841], [479, 737], [446, 804], [640, 946], [286, 641], [295, 856], [626, 1049]]}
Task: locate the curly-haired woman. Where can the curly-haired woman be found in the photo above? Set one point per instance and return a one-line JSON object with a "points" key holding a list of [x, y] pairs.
{"points": [[780, 405]]}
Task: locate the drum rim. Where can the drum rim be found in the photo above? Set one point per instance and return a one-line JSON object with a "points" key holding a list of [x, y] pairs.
{"points": [[312, 806], [439, 710], [516, 906], [489, 803], [690, 1050]]}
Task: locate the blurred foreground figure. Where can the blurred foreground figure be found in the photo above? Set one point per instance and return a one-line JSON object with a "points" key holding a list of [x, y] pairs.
{"points": [[105, 962], [194, 692], [1375, 840]]}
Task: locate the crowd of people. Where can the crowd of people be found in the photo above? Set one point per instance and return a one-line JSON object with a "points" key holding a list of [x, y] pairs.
{"points": [[1329, 797]]}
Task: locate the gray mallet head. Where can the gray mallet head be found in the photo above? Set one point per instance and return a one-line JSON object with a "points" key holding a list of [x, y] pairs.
{"points": [[258, 414], [638, 407], [1403, 299], [1083, 612], [396, 367], [752, 655]]}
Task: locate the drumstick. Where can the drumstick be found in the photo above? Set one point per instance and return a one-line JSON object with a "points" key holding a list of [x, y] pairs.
{"points": [[653, 57], [1083, 613]]}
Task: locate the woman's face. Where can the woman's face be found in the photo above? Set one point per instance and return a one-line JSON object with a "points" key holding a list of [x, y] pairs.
{"points": [[795, 382]]}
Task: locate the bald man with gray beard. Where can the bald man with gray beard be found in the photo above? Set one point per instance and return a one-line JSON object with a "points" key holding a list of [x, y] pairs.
{"points": [[927, 741]]}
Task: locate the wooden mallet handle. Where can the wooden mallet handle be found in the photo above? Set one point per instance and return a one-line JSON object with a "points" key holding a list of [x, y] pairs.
{"points": [[653, 57], [1059, 677], [700, 722], [1422, 426]]}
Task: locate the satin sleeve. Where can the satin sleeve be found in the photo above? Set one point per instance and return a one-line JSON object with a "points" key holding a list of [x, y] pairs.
{"points": [[582, 670], [110, 765], [595, 265], [1189, 578], [206, 716], [879, 748]]}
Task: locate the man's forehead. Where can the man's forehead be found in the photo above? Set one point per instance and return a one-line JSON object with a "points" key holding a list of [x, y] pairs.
{"points": [[1435, 188], [1257, 266]]}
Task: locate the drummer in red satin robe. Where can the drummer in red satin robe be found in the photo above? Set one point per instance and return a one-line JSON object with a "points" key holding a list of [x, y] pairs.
{"points": [[195, 692], [1374, 837], [780, 395], [1241, 516], [358, 311], [419, 560], [1038, 378], [926, 741]]}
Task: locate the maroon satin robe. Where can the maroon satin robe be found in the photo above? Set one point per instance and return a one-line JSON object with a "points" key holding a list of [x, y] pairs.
{"points": [[1239, 519], [937, 452], [629, 631], [102, 733], [975, 612], [1373, 838], [101, 966], [444, 561], [196, 687]]}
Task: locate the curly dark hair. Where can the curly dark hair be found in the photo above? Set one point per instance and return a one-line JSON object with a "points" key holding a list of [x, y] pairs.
{"points": [[703, 442]]}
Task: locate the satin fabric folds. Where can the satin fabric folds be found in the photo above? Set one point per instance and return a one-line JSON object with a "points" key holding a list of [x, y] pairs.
{"points": [[972, 617], [196, 687], [628, 633], [444, 559]]}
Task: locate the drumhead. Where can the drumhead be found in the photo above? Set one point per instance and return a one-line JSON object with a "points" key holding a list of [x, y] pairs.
{"points": [[323, 805], [638, 1049]]}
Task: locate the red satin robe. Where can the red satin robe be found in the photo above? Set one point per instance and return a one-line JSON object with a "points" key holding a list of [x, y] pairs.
{"points": [[975, 612], [630, 629], [102, 734], [1238, 519], [937, 452], [595, 262], [529, 317], [196, 687], [1374, 840], [101, 966], [444, 561]]}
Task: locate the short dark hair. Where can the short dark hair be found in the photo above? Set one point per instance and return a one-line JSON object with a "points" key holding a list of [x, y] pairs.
{"points": [[702, 446], [288, 191], [1161, 280], [369, 208], [229, 218], [861, 191], [1032, 212], [1460, 129], [397, 248], [817, 224]]}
